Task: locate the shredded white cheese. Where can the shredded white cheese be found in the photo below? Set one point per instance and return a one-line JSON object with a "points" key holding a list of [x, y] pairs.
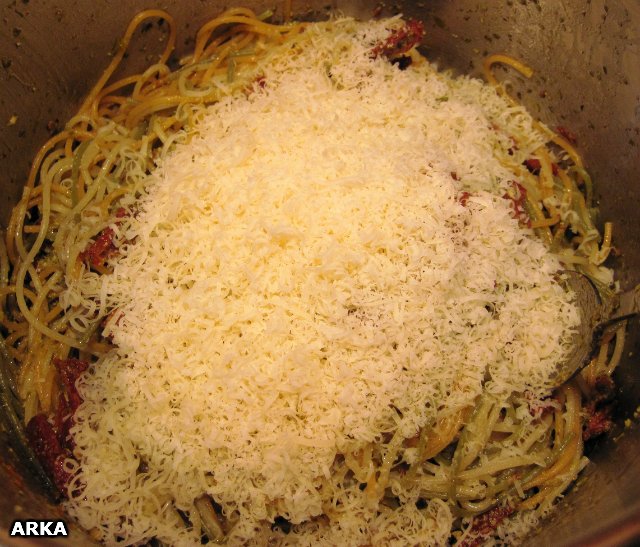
{"points": [[300, 279]]}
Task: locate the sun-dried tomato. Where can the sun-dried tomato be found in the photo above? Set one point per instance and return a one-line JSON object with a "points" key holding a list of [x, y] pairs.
{"points": [[103, 246], [400, 41], [518, 196], [52, 443], [567, 134], [101, 249], [62, 421], [485, 525], [533, 165], [61, 477], [597, 413], [47, 448], [69, 371], [597, 421]]}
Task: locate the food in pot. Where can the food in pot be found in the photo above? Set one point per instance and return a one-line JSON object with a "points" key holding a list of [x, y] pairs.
{"points": [[303, 288]]}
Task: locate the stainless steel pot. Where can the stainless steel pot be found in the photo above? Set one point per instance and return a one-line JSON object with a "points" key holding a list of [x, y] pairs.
{"points": [[586, 57]]}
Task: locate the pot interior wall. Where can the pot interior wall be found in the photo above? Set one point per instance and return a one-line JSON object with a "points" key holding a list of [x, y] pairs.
{"points": [[586, 58]]}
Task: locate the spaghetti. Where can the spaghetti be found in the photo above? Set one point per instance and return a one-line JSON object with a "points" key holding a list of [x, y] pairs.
{"points": [[504, 457]]}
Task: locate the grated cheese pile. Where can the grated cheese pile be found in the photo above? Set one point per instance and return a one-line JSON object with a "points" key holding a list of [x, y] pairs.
{"points": [[301, 279]]}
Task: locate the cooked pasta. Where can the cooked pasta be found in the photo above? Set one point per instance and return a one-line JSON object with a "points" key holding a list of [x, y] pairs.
{"points": [[480, 452]]}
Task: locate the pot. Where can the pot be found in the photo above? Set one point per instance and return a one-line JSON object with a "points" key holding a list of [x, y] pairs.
{"points": [[586, 57]]}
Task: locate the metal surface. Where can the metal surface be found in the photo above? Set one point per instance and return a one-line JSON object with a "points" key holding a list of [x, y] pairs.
{"points": [[586, 56]]}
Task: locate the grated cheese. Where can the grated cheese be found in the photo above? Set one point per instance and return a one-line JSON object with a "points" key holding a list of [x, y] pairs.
{"points": [[302, 279]]}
